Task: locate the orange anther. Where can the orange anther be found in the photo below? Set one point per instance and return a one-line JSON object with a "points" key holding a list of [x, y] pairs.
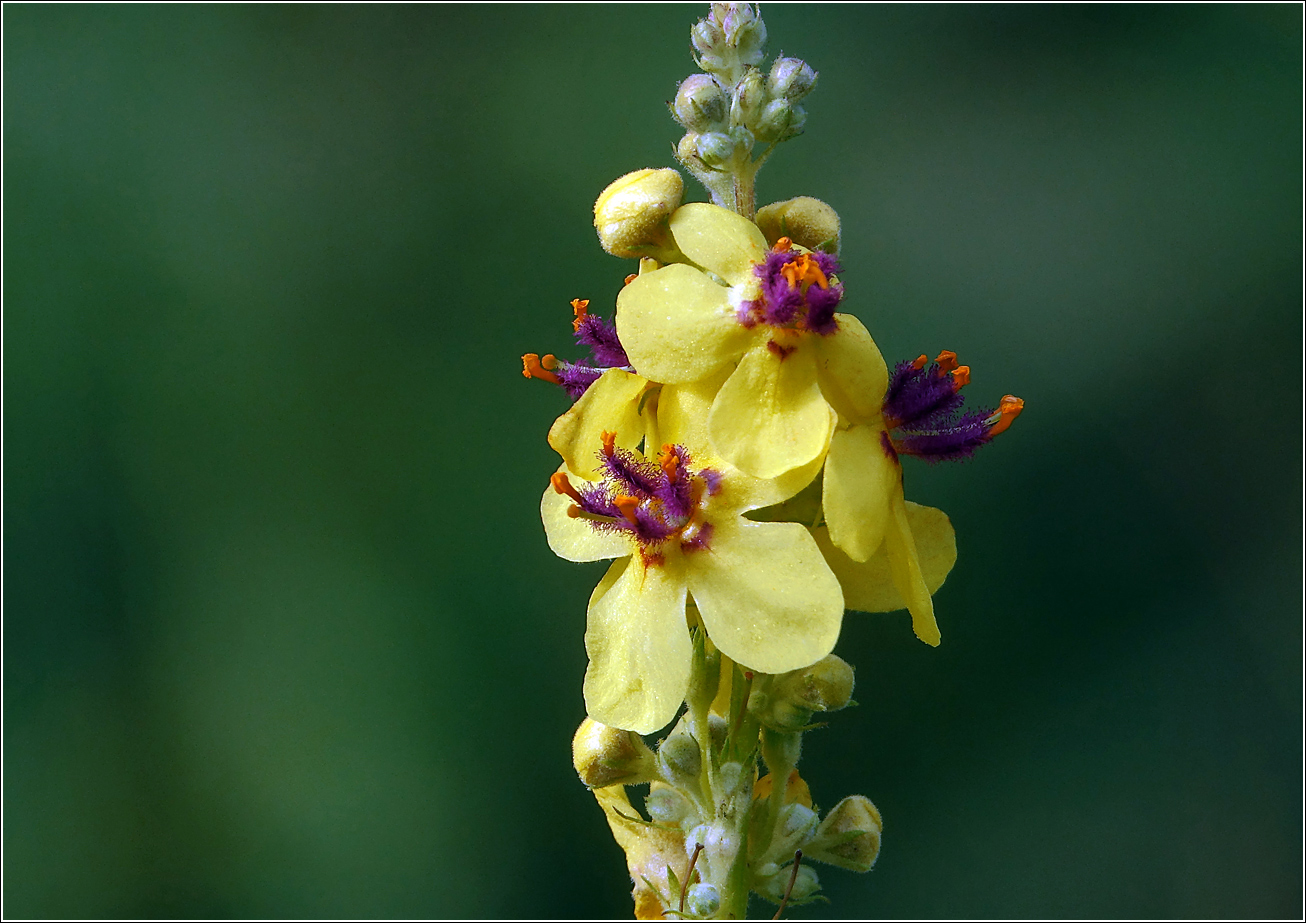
{"points": [[632, 277], [960, 377], [561, 484], [627, 505], [784, 244], [1008, 409], [669, 461], [804, 271], [947, 361], [579, 306], [609, 443], [920, 361], [532, 366]]}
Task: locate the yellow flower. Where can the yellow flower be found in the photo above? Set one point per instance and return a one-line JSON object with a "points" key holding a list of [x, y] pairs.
{"points": [[763, 591], [893, 554], [766, 316]]}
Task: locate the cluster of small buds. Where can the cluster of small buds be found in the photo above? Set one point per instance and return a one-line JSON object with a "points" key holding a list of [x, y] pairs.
{"points": [[733, 106]]}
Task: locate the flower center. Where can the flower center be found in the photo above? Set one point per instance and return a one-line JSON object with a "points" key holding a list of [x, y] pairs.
{"points": [[924, 416], [796, 291], [653, 503]]}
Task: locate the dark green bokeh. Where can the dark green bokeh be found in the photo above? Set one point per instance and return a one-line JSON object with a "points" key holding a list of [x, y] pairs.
{"points": [[282, 633]]}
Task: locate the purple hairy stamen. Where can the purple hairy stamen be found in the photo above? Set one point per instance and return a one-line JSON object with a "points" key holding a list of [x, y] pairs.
{"points": [[923, 409], [782, 303], [649, 502]]}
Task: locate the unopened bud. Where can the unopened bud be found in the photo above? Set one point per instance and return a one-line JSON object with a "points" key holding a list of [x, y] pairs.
{"points": [[700, 103], [666, 805], [806, 883], [806, 221], [680, 759], [631, 214], [849, 837], [606, 756], [703, 900], [790, 701], [744, 30], [790, 79], [780, 120], [748, 99], [797, 822], [715, 148]]}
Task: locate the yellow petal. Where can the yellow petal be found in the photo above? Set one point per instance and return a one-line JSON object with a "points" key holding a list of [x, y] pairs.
{"points": [[851, 369], [638, 644], [719, 240], [873, 587], [869, 587], [769, 416], [682, 410], [611, 404], [676, 325], [576, 539], [766, 596], [860, 479], [649, 849]]}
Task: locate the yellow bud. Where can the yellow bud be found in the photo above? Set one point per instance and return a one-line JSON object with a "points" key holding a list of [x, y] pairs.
{"points": [[849, 837], [606, 756], [790, 701], [806, 221], [631, 214]]}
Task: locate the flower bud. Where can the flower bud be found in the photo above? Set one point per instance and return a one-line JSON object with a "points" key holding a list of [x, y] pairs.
{"points": [[797, 822], [744, 30], [606, 756], [791, 79], [780, 120], [790, 701], [806, 884], [709, 41], [715, 148], [631, 213], [806, 221], [703, 900], [666, 805], [700, 103], [680, 759], [748, 99], [849, 837]]}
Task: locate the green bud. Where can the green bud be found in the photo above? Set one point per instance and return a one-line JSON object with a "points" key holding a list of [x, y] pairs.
{"points": [[700, 103], [748, 99], [715, 148], [797, 822], [703, 899], [805, 885], [780, 120], [806, 221], [606, 756], [849, 837], [666, 805], [631, 213], [789, 702], [790, 79], [744, 30], [680, 759]]}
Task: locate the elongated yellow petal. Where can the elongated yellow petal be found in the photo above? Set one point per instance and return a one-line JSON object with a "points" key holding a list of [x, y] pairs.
{"points": [[769, 416], [765, 594], [638, 644], [905, 569], [869, 587], [677, 326], [576, 539], [683, 409], [852, 372], [726, 243], [860, 480], [610, 404]]}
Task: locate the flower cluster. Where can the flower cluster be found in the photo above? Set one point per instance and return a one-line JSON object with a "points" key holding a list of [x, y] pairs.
{"points": [[735, 448]]}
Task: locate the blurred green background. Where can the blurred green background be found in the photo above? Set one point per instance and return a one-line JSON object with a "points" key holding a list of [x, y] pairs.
{"points": [[282, 633]]}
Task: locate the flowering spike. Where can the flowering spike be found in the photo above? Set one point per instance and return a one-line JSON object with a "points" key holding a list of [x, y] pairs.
{"points": [[1008, 409], [535, 367]]}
